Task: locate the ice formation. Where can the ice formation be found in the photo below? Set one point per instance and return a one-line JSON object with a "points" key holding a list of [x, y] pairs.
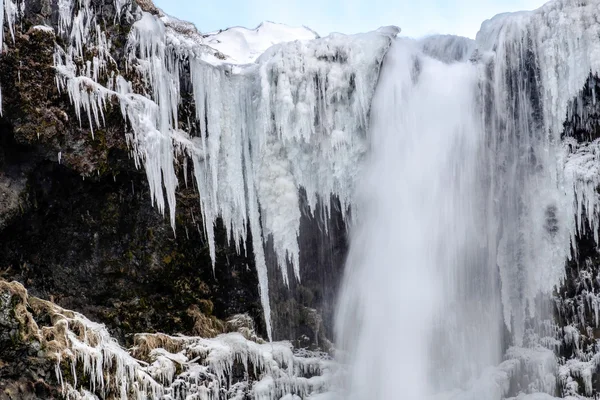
{"points": [[448, 48], [538, 364], [296, 118], [541, 59]]}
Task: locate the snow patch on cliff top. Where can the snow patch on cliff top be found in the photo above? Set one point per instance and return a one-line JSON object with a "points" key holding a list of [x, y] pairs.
{"points": [[243, 46], [235, 45]]}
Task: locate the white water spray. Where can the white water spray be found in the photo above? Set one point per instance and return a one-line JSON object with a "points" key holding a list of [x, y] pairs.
{"points": [[419, 311]]}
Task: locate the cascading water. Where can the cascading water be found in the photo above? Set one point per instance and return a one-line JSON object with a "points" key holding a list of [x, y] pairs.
{"points": [[419, 302], [466, 215]]}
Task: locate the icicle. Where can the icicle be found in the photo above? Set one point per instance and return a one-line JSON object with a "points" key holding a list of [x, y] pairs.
{"points": [[248, 168], [2, 13]]}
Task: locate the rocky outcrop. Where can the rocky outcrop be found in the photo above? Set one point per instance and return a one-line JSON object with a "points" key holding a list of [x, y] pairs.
{"points": [[49, 352], [26, 370]]}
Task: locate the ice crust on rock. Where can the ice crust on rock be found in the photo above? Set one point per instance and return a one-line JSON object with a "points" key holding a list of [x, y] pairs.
{"points": [[582, 170], [90, 364], [270, 370], [448, 48], [544, 58]]}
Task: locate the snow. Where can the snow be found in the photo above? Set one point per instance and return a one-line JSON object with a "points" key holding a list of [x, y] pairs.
{"points": [[243, 46], [43, 28], [232, 46]]}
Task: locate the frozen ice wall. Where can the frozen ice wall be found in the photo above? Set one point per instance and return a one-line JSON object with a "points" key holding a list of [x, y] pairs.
{"points": [[537, 62], [259, 132], [448, 48]]}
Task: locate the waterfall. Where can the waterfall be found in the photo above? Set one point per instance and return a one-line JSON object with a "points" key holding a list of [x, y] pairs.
{"points": [[420, 300], [467, 214], [470, 202]]}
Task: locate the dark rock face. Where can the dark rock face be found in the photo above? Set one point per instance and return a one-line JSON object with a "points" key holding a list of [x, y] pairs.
{"points": [[574, 308], [583, 119], [304, 312], [102, 249]]}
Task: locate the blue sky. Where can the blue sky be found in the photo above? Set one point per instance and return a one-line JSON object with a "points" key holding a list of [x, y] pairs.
{"points": [[414, 17]]}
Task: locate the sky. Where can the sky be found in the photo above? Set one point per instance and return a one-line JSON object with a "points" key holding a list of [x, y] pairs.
{"points": [[415, 17]]}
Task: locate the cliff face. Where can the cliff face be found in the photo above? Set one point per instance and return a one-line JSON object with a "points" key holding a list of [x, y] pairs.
{"points": [[50, 352], [79, 222], [576, 300], [78, 225], [26, 372]]}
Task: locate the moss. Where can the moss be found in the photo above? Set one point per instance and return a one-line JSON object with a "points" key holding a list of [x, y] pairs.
{"points": [[143, 303], [206, 306]]}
